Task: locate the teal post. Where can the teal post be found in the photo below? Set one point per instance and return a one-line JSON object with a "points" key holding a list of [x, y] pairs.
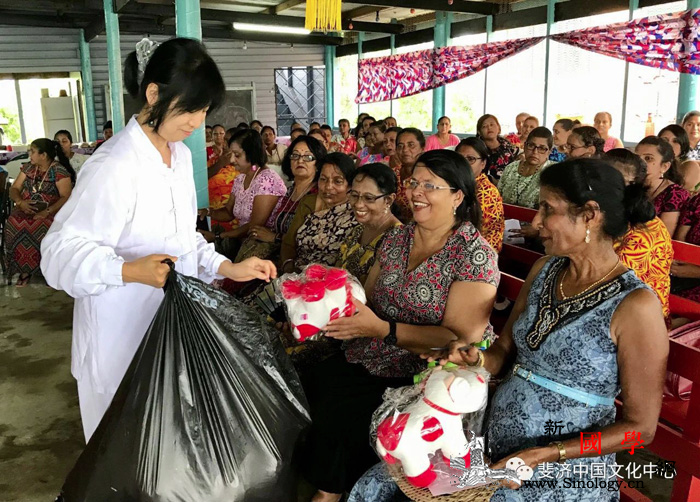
{"points": [[360, 40], [688, 89], [86, 71], [550, 22], [114, 58], [329, 57], [441, 35], [188, 24], [634, 5], [489, 31]]}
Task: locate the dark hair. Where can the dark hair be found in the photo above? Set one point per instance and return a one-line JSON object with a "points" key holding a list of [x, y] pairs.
{"points": [[67, 134], [303, 132], [690, 115], [318, 132], [381, 174], [343, 120], [270, 128], [315, 123], [208, 127], [543, 133], [478, 145], [368, 117], [634, 163], [380, 124], [343, 162], [185, 74], [484, 118], [416, 132], [53, 151], [583, 180], [243, 125], [255, 122], [681, 136], [251, 143], [231, 131], [575, 122], [327, 127], [666, 151], [567, 124], [108, 125], [315, 147], [590, 137], [397, 130], [455, 170], [219, 125]]}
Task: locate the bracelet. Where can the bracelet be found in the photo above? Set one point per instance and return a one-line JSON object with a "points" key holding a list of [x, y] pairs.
{"points": [[479, 360], [562, 451]]}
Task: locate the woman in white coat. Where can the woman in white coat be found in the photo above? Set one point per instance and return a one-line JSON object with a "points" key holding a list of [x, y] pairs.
{"points": [[135, 206]]}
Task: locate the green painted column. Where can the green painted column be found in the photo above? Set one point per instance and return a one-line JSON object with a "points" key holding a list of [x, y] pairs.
{"points": [[188, 23], [88, 93], [550, 22], [441, 35], [688, 89], [360, 40], [114, 58], [329, 58], [489, 32]]}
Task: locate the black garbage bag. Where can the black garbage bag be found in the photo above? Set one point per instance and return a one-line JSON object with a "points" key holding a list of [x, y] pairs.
{"points": [[209, 410]]}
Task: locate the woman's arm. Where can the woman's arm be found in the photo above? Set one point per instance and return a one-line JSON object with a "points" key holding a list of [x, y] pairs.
{"points": [[670, 219], [262, 209], [25, 206], [224, 213], [223, 161], [288, 252], [65, 187], [682, 232]]}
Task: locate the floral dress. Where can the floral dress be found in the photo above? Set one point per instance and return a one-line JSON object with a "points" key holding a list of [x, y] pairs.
{"points": [[264, 182], [567, 341], [493, 221], [419, 296], [319, 238], [220, 186], [356, 258], [499, 158], [671, 200], [521, 190], [691, 217]]}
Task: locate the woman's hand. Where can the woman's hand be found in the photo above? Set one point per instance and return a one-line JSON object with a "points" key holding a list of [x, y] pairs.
{"points": [[27, 206], [208, 236], [532, 458], [42, 215], [681, 269], [262, 234], [364, 324], [453, 354], [247, 270], [149, 270]]}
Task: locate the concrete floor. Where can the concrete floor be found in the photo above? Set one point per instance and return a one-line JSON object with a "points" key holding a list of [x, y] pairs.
{"points": [[40, 431]]}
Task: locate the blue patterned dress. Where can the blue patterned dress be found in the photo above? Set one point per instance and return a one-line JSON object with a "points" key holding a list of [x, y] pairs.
{"points": [[567, 341]]}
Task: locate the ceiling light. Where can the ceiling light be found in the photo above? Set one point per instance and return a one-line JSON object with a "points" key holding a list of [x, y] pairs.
{"points": [[267, 28]]}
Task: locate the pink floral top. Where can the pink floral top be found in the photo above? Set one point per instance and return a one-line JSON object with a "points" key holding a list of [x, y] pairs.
{"points": [[419, 297], [433, 142], [671, 200], [266, 182]]}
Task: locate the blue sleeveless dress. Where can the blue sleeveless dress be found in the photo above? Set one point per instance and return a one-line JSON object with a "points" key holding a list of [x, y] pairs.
{"points": [[567, 341]]}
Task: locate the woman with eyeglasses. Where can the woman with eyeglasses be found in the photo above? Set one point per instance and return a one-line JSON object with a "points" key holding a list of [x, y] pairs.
{"points": [[584, 142], [490, 201], [324, 219], [520, 182], [371, 196], [433, 281]]}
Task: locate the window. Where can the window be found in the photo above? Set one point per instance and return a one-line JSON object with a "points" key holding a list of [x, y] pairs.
{"points": [[9, 117], [300, 96], [464, 99], [416, 110], [346, 89]]}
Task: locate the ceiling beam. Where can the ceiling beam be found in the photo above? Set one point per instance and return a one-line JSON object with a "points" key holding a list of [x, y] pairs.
{"points": [[120, 5], [41, 21], [484, 8], [97, 27], [285, 6], [361, 11]]}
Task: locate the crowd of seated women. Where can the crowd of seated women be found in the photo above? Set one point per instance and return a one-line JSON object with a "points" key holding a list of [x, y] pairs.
{"points": [[420, 222]]}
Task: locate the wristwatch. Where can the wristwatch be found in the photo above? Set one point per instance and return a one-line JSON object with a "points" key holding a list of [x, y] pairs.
{"points": [[390, 339]]}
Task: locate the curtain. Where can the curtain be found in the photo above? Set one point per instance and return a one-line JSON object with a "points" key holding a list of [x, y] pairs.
{"points": [[401, 75], [668, 41]]}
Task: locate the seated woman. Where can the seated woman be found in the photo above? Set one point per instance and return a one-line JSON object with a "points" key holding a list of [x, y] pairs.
{"points": [[300, 166], [371, 196], [583, 330], [501, 151], [275, 152], [443, 138], [221, 177], [410, 144], [584, 142], [691, 124], [603, 122], [65, 139], [520, 182], [318, 134], [664, 182], [560, 133], [374, 145], [492, 215], [323, 220], [647, 248], [40, 190], [685, 280], [677, 137], [218, 133], [529, 124], [427, 276], [254, 194]]}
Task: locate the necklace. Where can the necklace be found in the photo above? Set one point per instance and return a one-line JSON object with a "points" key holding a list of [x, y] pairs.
{"points": [[284, 210], [35, 188], [596, 283], [257, 171], [657, 188]]}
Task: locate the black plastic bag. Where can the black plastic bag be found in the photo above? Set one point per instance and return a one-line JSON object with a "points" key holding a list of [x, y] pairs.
{"points": [[209, 410]]}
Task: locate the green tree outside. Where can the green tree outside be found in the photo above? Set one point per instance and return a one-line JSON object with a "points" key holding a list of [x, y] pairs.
{"points": [[12, 129]]}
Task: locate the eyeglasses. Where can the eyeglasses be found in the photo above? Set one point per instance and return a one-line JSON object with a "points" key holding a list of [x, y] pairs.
{"points": [[570, 148], [305, 158], [426, 186], [367, 198], [540, 148], [472, 160]]}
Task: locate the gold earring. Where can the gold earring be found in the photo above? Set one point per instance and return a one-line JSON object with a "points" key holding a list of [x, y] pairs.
{"points": [[588, 235], [454, 211]]}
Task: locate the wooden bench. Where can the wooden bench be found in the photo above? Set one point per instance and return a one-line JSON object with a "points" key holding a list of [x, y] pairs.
{"points": [[678, 431]]}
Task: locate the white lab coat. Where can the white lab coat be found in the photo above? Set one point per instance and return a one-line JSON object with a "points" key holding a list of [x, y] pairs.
{"points": [[127, 204]]}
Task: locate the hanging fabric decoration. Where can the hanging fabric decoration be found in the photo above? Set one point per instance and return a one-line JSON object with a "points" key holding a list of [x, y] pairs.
{"points": [[323, 15], [669, 42], [401, 75]]}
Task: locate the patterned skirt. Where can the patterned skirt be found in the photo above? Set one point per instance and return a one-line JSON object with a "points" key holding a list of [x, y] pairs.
{"points": [[23, 236]]}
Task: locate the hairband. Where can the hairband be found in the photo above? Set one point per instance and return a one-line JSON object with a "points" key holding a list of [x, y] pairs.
{"points": [[144, 50]]}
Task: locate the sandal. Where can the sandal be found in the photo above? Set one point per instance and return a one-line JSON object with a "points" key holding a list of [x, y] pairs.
{"points": [[23, 280]]}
